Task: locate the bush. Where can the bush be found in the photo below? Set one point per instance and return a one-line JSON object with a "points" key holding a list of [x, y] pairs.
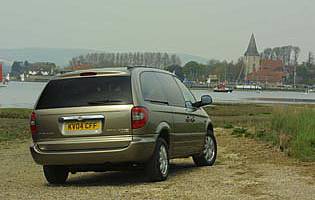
{"points": [[240, 132], [295, 128], [267, 136], [228, 126]]}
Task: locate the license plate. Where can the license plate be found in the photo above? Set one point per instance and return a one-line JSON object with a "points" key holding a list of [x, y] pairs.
{"points": [[82, 126]]}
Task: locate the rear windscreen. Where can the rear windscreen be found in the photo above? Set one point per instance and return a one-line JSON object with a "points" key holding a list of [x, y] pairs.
{"points": [[87, 91]]}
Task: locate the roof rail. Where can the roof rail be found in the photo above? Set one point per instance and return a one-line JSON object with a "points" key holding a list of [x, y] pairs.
{"points": [[137, 66]]}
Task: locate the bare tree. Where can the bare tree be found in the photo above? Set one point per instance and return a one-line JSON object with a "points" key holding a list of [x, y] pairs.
{"points": [[297, 51], [310, 59], [158, 60]]}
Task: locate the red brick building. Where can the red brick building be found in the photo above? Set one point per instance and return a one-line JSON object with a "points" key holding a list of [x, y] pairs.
{"points": [[270, 71], [79, 67]]}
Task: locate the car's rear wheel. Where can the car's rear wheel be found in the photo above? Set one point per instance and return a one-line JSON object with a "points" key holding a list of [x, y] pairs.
{"points": [[55, 174], [158, 167], [209, 152]]}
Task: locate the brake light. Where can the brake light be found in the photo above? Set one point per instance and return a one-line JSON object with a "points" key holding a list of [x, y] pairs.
{"points": [[139, 117], [88, 74], [33, 124]]}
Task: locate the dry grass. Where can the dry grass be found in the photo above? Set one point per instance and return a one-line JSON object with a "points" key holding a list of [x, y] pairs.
{"points": [[245, 169]]}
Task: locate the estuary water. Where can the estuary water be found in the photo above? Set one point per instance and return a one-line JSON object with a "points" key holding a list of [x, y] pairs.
{"points": [[25, 94]]}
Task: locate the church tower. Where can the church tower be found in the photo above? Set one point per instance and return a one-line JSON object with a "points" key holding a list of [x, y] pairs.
{"points": [[251, 57]]}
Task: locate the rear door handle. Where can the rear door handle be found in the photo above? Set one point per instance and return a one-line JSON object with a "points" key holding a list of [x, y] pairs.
{"points": [[190, 119]]}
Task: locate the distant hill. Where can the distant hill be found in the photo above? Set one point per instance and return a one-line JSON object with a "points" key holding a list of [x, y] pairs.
{"points": [[61, 56], [56, 55]]}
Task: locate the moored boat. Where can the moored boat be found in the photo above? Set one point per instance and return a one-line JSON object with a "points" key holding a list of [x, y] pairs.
{"points": [[248, 87], [222, 88]]}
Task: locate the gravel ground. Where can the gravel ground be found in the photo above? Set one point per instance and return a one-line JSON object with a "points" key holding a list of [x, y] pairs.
{"points": [[245, 169]]}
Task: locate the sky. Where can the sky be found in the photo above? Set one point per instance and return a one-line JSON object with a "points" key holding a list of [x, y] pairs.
{"points": [[218, 29]]}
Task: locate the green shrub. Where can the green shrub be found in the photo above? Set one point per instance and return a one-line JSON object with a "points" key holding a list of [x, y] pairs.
{"points": [[298, 126], [228, 126], [240, 132], [267, 136]]}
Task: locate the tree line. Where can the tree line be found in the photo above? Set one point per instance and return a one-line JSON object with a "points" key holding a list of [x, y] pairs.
{"points": [[199, 72], [224, 70], [306, 71], [234, 71], [150, 59], [289, 55], [192, 70]]}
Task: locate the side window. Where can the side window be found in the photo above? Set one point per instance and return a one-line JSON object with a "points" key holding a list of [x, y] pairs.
{"points": [[171, 89], [150, 88], [188, 96]]}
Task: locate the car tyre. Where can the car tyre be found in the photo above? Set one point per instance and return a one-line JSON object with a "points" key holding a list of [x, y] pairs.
{"points": [[157, 168], [209, 152], [55, 174]]}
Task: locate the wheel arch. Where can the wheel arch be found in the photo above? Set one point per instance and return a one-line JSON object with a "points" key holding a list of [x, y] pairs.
{"points": [[210, 127], [163, 130]]}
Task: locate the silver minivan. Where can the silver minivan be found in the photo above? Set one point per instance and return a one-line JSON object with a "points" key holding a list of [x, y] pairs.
{"points": [[94, 120]]}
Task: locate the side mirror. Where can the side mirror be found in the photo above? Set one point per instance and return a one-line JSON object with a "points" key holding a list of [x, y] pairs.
{"points": [[205, 100]]}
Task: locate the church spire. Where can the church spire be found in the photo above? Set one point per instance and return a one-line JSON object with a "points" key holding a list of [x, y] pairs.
{"points": [[252, 47]]}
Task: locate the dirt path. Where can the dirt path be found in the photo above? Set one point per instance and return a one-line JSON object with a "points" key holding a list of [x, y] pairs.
{"points": [[245, 169]]}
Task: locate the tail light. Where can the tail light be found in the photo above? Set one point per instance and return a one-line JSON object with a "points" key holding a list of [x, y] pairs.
{"points": [[139, 117], [33, 124], [88, 74]]}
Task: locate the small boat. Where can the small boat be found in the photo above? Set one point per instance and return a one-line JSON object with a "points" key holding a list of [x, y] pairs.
{"points": [[3, 85], [222, 88], [309, 90], [248, 87], [22, 77], [7, 78]]}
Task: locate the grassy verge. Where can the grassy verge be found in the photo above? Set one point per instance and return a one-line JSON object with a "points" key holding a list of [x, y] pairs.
{"points": [[296, 130], [14, 124], [15, 113], [239, 115], [291, 128]]}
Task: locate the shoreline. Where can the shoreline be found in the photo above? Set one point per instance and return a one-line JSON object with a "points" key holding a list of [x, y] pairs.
{"points": [[251, 120]]}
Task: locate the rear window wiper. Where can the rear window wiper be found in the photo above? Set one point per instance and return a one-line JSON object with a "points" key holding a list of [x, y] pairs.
{"points": [[105, 101], [157, 101]]}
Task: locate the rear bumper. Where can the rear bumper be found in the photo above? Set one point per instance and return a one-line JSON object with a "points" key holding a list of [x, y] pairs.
{"points": [[139, 150]]}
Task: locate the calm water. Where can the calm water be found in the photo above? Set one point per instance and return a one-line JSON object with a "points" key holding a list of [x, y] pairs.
{"points": [[25, 94]]}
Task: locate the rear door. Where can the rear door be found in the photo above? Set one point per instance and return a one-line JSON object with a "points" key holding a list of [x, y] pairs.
{"points": [[181, 136], [85, 113], [196, 118]]}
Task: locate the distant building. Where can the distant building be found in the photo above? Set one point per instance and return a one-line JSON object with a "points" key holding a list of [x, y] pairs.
{"points": [[212, 79], [262, 70], [251, 57], [32, 69], [42, 68], [269, 72], [79, 67], [32, 73]]}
